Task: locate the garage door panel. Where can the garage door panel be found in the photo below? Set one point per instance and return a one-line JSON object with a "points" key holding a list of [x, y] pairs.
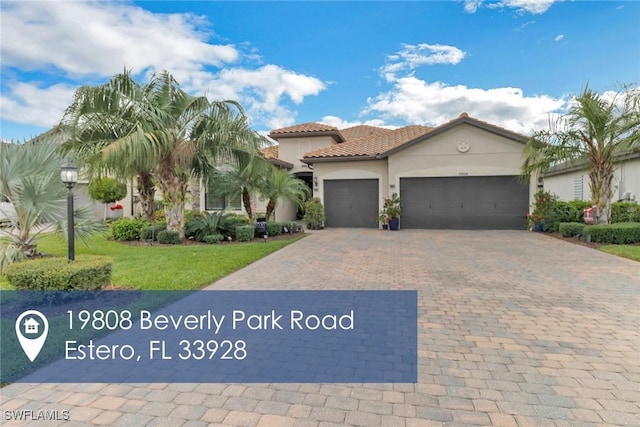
{"points": [[351, 202], [493, 202]]}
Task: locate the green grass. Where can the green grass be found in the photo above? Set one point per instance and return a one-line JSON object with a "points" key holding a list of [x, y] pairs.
{"points": [[626, 251], [160, 267]]}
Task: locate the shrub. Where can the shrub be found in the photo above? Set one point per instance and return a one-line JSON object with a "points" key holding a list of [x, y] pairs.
{"points": [[212, 238], [625, 212], [274, 228], [562, 211], [571, 229], [206, 224], [314, 214], [169, 237], [245, 233], [620, 233], [86, 273], [107, 190], [542, 209], [151, 232], [127, 228], [233, 221]]}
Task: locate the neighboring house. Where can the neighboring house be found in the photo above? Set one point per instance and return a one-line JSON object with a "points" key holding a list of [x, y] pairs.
{"points": [[571, 182], [463, 174], [31, 326]]}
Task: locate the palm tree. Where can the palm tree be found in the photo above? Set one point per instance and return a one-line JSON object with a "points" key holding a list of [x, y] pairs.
{"points": [[30, 183], [161, 127], [240, 177], [281, 184], [593, 133], [99, 116]]}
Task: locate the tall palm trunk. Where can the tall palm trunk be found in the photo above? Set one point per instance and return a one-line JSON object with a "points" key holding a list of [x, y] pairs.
{"points": [[246, 201], [271, 206], [174, 190], [600, 179], [147, 193]]}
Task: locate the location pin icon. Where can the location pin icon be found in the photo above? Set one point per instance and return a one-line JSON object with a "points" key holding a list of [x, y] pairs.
{"points": [[34, 324]]}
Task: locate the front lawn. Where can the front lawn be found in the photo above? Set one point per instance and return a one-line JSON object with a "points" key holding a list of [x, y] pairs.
{"points": [[159, 267], [626, 251]]}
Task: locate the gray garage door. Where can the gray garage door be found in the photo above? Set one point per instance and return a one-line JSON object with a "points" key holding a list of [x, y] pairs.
{"points": [[351, 202], [478, 202]]}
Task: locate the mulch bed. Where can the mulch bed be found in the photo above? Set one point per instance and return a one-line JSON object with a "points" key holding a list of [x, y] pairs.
{"points": [[188, 242]]}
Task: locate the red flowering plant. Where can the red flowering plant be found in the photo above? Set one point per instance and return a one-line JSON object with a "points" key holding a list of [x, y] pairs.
{"points": [[116, 207], [542, 207]]}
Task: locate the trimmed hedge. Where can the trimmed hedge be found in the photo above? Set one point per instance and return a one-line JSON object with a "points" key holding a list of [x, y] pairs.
{"points": [[625, 212], [245, 233], [127, 228], [274, 228], [151, 232], [212, 238], [169, 237], [86, 273], [620, 233], [231, 224], [571, 229]]}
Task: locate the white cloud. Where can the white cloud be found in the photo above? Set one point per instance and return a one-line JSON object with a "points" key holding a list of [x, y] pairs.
{"points": [[262, 91], [471, 6], [559, 37], [535, 7], [27, 103], [419, 102], [411, 57], [343, 124], [86, 42], [94, 38]]}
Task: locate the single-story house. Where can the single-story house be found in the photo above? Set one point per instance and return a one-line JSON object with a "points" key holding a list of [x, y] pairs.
{"points": [[571, 182], [463, 174]]}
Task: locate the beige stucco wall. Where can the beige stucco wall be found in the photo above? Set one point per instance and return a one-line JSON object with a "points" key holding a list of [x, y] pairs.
{"points": [[626, 179], [292, 149], [489, 155], [352, 170]]}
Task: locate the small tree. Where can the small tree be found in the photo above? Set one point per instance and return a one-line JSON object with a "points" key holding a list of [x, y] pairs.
{"points": [[314, 214], [279, 183], [107, 190]]}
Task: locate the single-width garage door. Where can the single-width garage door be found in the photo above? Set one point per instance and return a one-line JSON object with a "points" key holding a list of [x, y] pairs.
{"points": [[351, 202], [470, 202]]}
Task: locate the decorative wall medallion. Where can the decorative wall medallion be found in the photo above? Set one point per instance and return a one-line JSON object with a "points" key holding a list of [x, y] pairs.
{"points": [[463, 146]]}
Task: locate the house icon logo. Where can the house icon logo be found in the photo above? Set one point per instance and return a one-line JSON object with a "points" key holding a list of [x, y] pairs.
{"points": [[31, 326]]}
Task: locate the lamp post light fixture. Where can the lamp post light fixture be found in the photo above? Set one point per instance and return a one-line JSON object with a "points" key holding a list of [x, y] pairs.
{"points": [[69, 176]]}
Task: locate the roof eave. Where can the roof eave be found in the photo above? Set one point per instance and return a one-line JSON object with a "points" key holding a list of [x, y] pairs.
{"points": [[328, 159], [445, 127]]}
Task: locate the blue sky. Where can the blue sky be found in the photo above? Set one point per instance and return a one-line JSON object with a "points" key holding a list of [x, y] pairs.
{"points": [[511, 62]]}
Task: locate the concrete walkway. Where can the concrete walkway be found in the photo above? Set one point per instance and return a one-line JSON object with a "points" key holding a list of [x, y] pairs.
{"points": [[514, 329]]}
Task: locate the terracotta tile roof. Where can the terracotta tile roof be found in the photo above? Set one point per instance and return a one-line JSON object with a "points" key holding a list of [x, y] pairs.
{"points": [[271, 154], [362, 131], [304, 128], [367, 146]]}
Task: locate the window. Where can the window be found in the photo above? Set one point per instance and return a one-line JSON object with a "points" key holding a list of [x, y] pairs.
{"points": [[578, 187], [218, 199]]}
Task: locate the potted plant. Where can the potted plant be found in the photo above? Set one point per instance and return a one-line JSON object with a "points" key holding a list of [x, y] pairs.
{"points": [[542, 210], [392, 209], [384, 220]]}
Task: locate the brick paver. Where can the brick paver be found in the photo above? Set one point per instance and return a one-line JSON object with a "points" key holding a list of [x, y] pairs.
{"points": [[515, 329]]}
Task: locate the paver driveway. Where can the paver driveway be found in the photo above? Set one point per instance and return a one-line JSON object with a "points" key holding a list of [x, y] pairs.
{"points": [[515, 328]]}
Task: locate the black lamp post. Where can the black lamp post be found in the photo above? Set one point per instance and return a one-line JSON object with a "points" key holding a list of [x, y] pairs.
{"points": [[69, 176]]}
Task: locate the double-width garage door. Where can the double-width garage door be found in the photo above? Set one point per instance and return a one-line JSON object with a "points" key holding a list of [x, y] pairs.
{"points": [[478, 202], [351, 202]]}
